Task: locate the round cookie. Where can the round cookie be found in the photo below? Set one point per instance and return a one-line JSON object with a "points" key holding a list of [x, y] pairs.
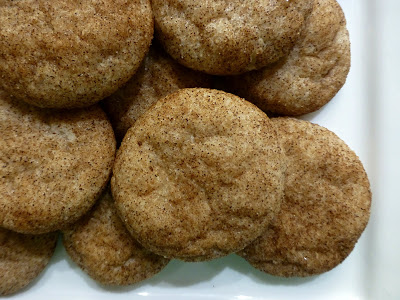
{"points": [[53, 164], [325, 209], [100, 244], [229, 37], [66, 54], [199, 175], [23, 258], [312, 74], [158, 76]]}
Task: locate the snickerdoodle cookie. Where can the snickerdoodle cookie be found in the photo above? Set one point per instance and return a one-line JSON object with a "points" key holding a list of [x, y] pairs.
{"points": [[311, 75], [325, 208], [199, 175], [229, 37], [22, 258], [100, 244], [53, 164], [158, 76], [71, 53]]}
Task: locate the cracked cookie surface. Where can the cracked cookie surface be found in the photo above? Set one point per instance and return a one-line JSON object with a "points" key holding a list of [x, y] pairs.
{"points": [[228, 37], [71, 53], [199, 175], [325, 209], [53, 164], [312, 74]]}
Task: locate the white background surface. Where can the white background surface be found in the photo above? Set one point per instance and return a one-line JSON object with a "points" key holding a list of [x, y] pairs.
{"points": [[365, 115]]}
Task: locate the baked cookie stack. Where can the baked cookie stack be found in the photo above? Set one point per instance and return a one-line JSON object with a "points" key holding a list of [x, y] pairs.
{"points": [[200, 172]]}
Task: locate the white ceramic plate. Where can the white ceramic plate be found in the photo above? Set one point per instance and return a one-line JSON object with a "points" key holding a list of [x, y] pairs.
{"points": [[364, 114]]}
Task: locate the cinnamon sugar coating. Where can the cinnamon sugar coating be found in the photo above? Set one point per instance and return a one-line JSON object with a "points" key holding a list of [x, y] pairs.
{"points": [[229, 37], [68, 53], [100, 244], [312, 74], [22, 258], [158, 76], [53, 164], [199, 175], [326, 205]]}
